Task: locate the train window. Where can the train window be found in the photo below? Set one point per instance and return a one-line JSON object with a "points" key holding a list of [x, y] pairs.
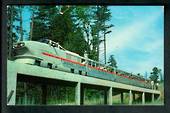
{"points": [[78, 59], [72, 70], [49, 65], [56, 66], [37, 62], [80, 72], [68, 56]]}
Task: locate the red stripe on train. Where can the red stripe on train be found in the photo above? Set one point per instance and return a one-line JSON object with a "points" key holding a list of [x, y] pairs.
{"points": [[68, 60]]}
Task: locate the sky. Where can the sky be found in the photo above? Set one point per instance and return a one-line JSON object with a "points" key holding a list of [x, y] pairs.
{"points": [[136, 40]]}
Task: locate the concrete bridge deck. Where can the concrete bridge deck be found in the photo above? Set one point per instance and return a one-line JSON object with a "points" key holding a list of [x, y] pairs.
{"points": [[13, 69]]}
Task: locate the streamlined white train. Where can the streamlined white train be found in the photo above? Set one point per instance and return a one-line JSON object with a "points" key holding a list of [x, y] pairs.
{"points": [[49, 54]]}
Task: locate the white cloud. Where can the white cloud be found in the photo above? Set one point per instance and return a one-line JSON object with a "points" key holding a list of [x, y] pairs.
{"points": [[121, 38], [130, 37], [156, 56]]}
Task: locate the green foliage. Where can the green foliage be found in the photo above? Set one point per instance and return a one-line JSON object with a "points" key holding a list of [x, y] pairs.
{"points": [[77, 43], [41, 22], [76, 28], [93, 96], [112, 62], [13, 17], [14, 29], [154, 74], [61, 28], [99, 28]]}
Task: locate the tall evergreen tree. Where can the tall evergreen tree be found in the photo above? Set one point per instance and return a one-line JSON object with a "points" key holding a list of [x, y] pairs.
{"points": [[12, 28], [154, 75], [21, 23], [160, 74], [102, 15], [112, 62], [68, 25], [83, 16], [41, 22], [33, 10]]}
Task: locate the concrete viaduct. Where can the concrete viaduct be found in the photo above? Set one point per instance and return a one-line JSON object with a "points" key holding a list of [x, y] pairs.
{"points": [[112, 88]]}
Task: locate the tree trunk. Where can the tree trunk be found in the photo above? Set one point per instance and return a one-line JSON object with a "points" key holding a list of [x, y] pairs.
{"points": [[10, 38], [31, 26], [21, 28]]}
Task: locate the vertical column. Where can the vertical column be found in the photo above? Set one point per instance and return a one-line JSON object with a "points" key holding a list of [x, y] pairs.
{"points": [[77, 93], [110, 96], [11, 83], [121, 97], [130, 97], [153, 97], [143, 98]]}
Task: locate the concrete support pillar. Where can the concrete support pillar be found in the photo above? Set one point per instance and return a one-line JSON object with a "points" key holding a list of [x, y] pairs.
{"points": [[130, 97], [143, 98], [77, 93], [11, 83], [121, 97], [110, 96], [153, 97]]}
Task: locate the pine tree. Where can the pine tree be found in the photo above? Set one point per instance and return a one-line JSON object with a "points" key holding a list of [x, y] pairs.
{"points": [[41, 22], [154, 75], [100, 28], [76, 28], [33, 10], [12, 28], [112, 62]]}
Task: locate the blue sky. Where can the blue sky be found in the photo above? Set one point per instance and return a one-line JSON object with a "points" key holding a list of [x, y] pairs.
{"points": [[137, 40]]}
